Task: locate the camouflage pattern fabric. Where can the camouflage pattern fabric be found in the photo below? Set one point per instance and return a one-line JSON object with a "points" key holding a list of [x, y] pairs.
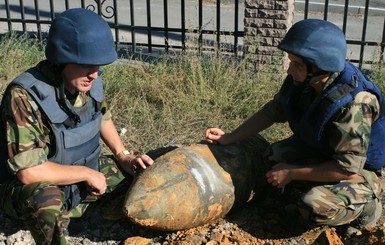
{"points": [[319, 204], [328, 203], [29, 144], [347, 133], [41, 205], [341, 203]]}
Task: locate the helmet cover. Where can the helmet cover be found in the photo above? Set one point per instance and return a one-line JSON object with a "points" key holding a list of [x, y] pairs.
{"points": [[80, 36], [320, 42]]}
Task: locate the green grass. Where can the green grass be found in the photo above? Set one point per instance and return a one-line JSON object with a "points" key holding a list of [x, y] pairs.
{"points": [[175, 100], [378, 72], [172, 100], [16, 55]]}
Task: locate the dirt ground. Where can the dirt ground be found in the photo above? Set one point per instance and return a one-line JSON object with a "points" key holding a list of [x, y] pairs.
{"points": [[270, 220], [263, 223], [267, 222]]}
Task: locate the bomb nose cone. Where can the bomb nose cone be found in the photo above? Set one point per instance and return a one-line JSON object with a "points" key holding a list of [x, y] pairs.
{"points": [[190, 186], [182, 189]]}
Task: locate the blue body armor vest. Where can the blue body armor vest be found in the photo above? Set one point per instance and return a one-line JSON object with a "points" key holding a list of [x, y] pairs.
{"points": [[309, 125], [77, 145]]}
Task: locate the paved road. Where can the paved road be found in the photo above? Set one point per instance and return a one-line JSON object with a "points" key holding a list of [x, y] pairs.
{"points": [[376, 7]]}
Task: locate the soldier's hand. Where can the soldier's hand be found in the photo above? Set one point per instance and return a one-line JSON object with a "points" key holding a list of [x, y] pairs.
{"points": [[279, 175], [214, 135], [218, 136], [96, 183], [133, 164]]}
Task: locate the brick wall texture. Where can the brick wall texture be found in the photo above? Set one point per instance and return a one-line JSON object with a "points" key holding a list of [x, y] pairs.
{"points": [[265, 24]]}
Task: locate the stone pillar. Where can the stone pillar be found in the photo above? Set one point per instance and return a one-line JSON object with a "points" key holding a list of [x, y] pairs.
{"points": [[266, 23]]}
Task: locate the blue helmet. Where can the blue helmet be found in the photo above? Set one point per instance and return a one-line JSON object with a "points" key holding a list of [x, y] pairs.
{"points": [[80, 36], [319, 42]]}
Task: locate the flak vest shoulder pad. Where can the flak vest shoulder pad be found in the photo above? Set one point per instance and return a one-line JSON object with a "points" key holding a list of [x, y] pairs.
{"points": [[45, 94]]}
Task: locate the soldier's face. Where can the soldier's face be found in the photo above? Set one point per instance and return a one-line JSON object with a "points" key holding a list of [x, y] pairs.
{"points": [[297, 68], [79, 78]]}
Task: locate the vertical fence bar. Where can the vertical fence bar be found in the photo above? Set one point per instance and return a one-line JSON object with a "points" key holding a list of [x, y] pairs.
{"points": [[306, 15], [236, 28], [345, 20], [200, 26], [22, 15], [183, 24], [363, 38], [382, 44], [38, 25], [149, 37], [83, 4], [67, 4], [52, 8], [326, 9], [99, 7], [7, 10], [218, 30], [116, 21], [132, 18], [165, 13]]}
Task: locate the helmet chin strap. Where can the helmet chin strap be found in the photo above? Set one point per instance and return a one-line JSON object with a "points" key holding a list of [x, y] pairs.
{"points": [[311, 74]]}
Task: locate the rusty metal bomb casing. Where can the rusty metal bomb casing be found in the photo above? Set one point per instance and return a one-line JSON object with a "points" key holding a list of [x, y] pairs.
{"points": [[192, 185]]}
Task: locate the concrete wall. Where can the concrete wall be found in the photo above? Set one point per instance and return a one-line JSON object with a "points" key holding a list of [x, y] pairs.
{"points": [[265, 24]]}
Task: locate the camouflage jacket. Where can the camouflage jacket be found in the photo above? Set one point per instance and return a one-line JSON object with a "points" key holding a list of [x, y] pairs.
{"points": [[29, 138], [346, 133]]}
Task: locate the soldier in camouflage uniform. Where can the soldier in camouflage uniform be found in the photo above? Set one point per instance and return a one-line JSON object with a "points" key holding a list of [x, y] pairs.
{"points": [[330, 164], [52, 118]]}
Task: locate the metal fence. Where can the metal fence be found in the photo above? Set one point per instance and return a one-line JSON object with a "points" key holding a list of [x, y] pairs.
{"points": [[141, 26], [149, 27], [362, 21]]}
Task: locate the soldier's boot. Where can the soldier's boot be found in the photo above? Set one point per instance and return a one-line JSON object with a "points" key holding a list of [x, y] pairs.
{"points": [[371, 214]]}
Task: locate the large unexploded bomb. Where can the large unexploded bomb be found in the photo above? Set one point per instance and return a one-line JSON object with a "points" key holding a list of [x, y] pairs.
{"points": [[192, 185]]}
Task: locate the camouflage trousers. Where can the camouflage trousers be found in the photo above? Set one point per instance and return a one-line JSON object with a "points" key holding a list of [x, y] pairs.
{"points": [[41, 205], [332, 204]]}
